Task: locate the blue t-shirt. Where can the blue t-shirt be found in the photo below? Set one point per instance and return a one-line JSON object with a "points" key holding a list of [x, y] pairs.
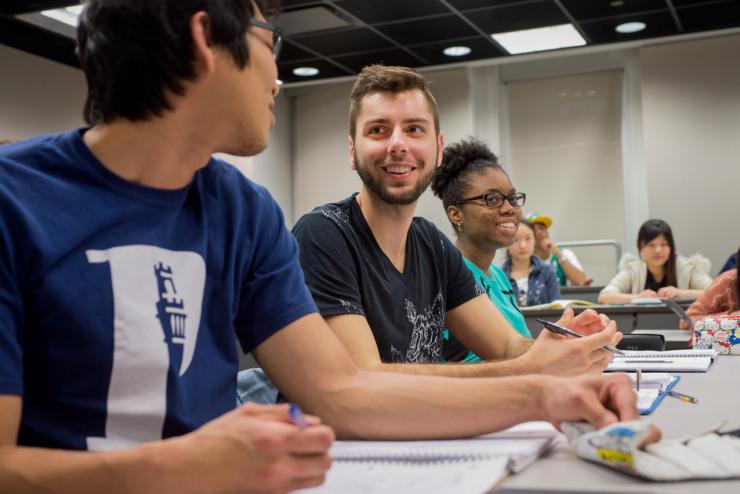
{"points": [[497, 287], [119, 304]]}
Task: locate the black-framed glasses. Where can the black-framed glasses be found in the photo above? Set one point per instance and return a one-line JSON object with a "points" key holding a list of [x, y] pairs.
{"points": [[496, 199], [277, 35]]}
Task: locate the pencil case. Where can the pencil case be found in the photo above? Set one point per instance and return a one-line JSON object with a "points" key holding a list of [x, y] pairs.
{"points": [[707, 456], [721, 333]]}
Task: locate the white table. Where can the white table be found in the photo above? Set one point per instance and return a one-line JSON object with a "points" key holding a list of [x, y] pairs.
{"points": [[718, 391]]}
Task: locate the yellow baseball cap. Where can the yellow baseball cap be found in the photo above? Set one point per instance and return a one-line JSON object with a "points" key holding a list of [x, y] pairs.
{"points": [[539, 218]]}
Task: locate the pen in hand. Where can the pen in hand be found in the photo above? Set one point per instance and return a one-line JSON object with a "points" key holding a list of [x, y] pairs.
{"points": [[296, 416], [562, 330]]}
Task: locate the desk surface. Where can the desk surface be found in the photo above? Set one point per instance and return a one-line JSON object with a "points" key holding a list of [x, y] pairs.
{"points": [[718, 401]]}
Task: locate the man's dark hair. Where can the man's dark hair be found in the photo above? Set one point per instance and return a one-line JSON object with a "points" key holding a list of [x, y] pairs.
{"points": [[461, 163], [649, 231], [387, 79], [135, 51]]}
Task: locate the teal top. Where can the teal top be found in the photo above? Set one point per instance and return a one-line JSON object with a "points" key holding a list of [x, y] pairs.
{"points": [[497, 287]]}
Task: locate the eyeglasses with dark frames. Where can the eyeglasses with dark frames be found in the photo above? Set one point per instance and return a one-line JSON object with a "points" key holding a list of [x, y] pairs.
{"points": [[277, 35], [496, 199]]}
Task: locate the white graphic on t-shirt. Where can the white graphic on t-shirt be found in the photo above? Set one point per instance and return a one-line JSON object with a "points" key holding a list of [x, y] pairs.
{"points": [[334, 213], [155, 325], [426, 335]]}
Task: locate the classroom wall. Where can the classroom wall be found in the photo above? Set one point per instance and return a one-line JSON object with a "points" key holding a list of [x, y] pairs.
{"points": [[566, 155], [38, 96], [691, 118]]}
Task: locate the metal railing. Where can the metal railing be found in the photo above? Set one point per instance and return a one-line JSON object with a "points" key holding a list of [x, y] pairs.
{"points": [[591, 243]]}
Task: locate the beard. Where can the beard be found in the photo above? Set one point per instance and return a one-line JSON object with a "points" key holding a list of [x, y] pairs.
{"points": [[384, 193]]}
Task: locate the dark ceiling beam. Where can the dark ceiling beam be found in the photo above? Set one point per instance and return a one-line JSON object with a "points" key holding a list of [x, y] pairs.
{"points": [[32, 39], [15, 7], [573, 21], [676, 19]]}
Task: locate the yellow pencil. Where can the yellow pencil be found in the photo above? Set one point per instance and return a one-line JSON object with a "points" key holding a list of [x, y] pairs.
{"points": [[683, 397]]}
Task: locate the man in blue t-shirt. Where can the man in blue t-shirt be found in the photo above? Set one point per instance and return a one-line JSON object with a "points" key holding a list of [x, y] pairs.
{"points": [[129, 259]]}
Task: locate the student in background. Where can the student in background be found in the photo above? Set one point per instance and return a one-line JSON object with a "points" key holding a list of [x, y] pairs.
{"points": [[564, 262], [721, 298], [659, 272], [730, 263], [484, 209], [532, 280]]}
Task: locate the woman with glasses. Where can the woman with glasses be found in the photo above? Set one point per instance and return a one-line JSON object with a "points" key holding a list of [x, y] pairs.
{"points": [[533, 280], [485, 210]]}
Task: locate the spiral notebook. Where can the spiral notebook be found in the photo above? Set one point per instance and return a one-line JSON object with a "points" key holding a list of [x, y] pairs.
{"points": [[472, 465], [694, 360]]}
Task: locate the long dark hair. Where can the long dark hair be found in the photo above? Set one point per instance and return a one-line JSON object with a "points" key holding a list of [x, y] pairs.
{"points": [[649, 231]]}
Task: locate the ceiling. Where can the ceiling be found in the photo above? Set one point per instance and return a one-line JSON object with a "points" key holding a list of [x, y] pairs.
{"points": [[414, 32]]}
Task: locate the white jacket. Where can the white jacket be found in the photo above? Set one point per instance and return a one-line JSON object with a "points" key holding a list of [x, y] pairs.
{"points": [[691, 274]]}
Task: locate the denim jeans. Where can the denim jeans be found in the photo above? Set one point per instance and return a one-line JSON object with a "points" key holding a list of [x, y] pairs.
{"points": [[254, 385]]}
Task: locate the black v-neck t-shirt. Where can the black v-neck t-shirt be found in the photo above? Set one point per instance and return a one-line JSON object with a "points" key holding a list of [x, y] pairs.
{"points": [[348, 273], [651, 284]]}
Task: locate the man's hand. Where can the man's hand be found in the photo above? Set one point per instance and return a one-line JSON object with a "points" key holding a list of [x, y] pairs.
{"points": [[599, 400], [561, 355], [551, 247], [255, 449]]}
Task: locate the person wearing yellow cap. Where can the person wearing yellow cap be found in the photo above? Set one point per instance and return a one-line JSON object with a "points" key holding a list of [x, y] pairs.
{"points": [[564, 262]]}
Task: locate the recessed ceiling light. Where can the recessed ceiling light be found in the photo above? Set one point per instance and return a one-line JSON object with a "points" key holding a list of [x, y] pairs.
{"points": [[67, 15], [630, 27], [279, 82], [456, 51], [305, 71], [539, 39], [616, 3]]}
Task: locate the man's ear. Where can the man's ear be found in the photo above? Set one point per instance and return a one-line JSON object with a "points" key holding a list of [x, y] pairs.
{"points": [[203, 53], [440, 147], [351, 147]]}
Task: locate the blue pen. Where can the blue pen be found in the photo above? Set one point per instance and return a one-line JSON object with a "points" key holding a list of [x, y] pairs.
{"points": [[296, 416]]}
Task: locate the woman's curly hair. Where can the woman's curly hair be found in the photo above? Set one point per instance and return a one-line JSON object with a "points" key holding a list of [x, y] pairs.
{"points": [[460, 162]]}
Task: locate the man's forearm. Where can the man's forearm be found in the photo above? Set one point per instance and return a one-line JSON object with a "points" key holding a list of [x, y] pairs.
{"points": [[495, 368], [140, 469], [572, 273], [423, 407]]}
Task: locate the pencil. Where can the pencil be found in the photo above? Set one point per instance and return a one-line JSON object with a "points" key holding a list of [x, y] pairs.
{"points": [[683, 397]]}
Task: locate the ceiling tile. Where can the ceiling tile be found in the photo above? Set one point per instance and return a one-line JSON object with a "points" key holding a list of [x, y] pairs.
{"points": [[344, 41], [391, 10], [680, 3], [716, 16], [479, 46], [594, 9], [289, 52], [285, 70], [428, 30], [515, 17], [385, 57], [658, 24], [476, 4]]}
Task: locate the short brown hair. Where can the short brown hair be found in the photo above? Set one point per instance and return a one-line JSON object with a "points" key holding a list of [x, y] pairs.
{"points": [[389, 79]]}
